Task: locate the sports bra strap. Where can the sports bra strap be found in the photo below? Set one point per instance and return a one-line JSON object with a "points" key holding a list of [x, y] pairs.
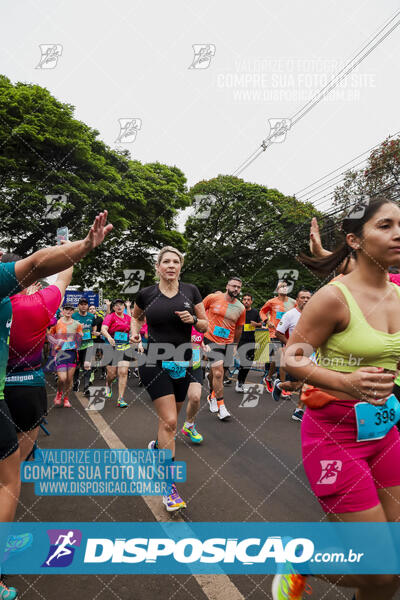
{"points": [[397, 287], [353, 306]]}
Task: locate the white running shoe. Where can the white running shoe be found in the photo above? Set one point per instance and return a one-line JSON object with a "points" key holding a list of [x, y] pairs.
{"points": [[212, 403], [223, 413], [239, 387]]}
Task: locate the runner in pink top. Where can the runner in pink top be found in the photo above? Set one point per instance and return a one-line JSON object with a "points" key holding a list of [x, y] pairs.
{"points": [[31, 318], [116, 323], [116, 328], [25, 388]]}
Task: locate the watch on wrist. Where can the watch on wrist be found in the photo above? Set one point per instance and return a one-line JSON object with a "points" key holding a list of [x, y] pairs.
{"points": [[195, 319]]}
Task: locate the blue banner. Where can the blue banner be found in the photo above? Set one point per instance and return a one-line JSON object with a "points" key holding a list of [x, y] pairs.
{"points": [[73, 296], [194, 548]]}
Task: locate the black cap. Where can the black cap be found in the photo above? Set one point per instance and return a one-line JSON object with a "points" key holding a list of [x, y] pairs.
{"points": [[83, 300], [68, 305], [117, 300]]}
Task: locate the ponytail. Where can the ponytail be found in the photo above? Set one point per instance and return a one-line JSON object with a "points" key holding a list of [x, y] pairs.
{"points": [[354, 222], [327, 264]]}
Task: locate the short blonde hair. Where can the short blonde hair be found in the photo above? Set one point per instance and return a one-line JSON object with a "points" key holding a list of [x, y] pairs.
{"points": [[166, 249]]}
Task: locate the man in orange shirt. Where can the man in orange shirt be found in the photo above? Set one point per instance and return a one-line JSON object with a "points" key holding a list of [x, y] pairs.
{"points": [[275, 309], [226, 316]]}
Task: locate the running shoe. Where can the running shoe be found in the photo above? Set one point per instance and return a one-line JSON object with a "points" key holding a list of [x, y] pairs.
{"points": [[298, 414], [173, 501], [212, 402], [227, 381], [108, 392], [58, 399], [192, 433], [152, 445], [7, 593], [91, 376], [121, 403], [289, 587], [239, 387], [286, 393], [276, 392], [75, 387], [86, 391], [268, 384], [67, 403], [223, 413]]}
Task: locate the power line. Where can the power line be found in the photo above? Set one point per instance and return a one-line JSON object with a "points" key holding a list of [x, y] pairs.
{"points": [[283, 126], [321, 199], [299, 194], [299, 239]]}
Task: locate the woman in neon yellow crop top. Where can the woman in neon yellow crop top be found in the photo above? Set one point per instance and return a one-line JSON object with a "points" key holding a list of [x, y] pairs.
{"points": [[352, 458]]}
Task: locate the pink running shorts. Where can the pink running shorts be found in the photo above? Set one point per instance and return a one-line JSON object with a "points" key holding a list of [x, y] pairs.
{"points": [[345, 474]]}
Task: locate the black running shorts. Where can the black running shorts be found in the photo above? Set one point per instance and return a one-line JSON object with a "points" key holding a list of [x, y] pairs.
{"points": [[27, 405], [158, 382], [8, 434], [196, 375], [219, 352]]}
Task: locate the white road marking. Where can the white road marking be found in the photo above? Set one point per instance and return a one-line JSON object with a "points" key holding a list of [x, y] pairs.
{"points": [[215, 587]]}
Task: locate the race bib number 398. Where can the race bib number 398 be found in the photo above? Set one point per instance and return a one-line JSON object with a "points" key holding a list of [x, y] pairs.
{"points": [[374, 422]]}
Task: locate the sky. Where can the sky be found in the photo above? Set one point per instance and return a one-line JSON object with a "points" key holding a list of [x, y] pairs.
{"points": [[147, 62]]}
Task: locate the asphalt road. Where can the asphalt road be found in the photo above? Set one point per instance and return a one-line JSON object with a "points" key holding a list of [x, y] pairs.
{"points": [[247, 469]]}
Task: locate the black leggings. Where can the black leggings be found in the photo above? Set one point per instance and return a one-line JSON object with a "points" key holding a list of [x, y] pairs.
{"points": [[86, 373], [244, 371]]}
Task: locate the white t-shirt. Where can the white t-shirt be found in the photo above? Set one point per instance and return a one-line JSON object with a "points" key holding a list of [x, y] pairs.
{"points": [[289, 321]]}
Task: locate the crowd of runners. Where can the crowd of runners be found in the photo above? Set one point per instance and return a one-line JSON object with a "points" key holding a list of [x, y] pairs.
{"points": [[337, 348]]}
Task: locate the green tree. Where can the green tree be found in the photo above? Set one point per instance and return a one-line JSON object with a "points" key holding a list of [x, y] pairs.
{"points": [[380, 176], [46, 152], [245, 229]]}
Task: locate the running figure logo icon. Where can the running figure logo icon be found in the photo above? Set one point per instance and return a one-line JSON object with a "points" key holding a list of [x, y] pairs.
{"points": [[288, 275], [62, 547], [50, 53], [251, 396], [203, 54], [133, 280], [55, 204], [330, 471], [97, 398], [128, 129], [278, 130]]}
